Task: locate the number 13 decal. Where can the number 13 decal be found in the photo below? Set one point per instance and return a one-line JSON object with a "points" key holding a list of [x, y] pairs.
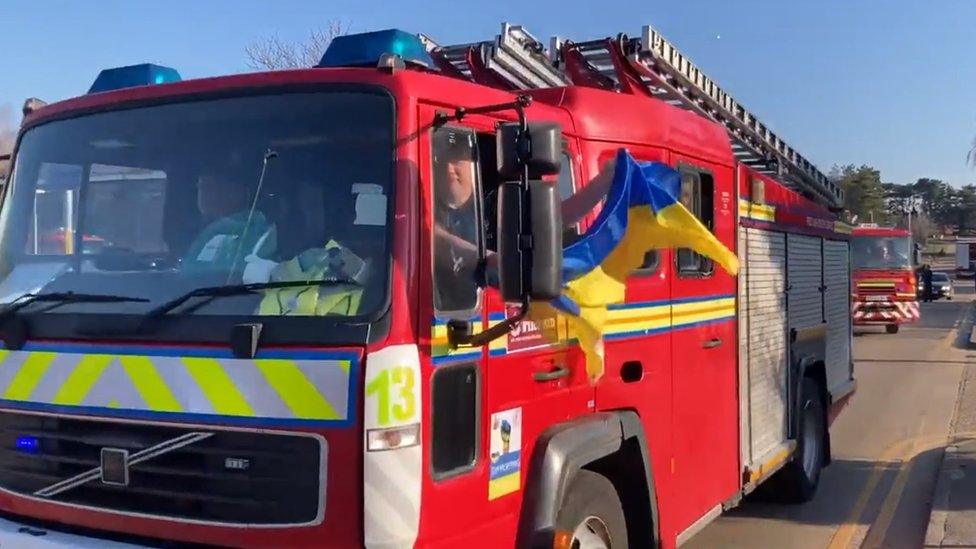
{"points": [[393, 392]]}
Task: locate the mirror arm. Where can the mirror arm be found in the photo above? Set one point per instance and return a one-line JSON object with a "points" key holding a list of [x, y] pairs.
{"points": [[521, 102], [456, 338]]}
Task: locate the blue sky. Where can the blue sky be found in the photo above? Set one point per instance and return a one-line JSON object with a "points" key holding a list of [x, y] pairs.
{"points": [[890, 84]]}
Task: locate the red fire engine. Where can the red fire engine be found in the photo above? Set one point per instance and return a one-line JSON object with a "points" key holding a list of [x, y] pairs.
{"points": [[308, 390], [885, 284]]}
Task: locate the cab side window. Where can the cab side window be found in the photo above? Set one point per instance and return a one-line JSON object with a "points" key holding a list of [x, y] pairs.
{"points": [[566, 186], [697, 188], [457, 241]]}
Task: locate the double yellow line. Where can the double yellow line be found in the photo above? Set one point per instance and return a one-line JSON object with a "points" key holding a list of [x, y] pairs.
{"points": [[858, 529]]}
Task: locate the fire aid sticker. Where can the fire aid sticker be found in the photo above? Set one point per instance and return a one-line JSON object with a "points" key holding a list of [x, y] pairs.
{"points": [[529, 334], [505, 453]]}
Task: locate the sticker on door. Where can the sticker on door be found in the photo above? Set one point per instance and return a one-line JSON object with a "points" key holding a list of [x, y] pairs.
{"points": [[529, 334], [505, 452]]}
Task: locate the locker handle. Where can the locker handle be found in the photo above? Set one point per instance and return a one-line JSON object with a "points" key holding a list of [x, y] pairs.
{"points": [[559, 371], [712, 343]]}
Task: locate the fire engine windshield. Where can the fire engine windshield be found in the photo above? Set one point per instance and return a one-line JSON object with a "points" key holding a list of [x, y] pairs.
{"points": [[881, 252], [156, 201]]}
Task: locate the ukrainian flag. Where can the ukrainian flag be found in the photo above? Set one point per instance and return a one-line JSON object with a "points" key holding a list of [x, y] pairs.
{"points": [[641, 213]]}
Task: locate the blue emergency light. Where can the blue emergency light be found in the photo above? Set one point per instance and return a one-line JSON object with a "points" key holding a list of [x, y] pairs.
{"points": [[145, 74], [366, 49], [28, 444]]}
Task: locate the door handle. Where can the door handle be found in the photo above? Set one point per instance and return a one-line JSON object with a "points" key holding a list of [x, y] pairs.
{"points": [[559, 371], [712, 343]]}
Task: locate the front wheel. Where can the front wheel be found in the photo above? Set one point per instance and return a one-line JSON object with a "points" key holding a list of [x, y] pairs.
{"points": [[592, 513], [797, 481], [891, 328]]}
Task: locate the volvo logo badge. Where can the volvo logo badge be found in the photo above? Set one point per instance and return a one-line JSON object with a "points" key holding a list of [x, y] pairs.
{"points": [[115, 466], [116, 462]]}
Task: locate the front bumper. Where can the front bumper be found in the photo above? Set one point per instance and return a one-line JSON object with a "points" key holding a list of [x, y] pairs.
{"points": [[885, 312], [23, 536]]}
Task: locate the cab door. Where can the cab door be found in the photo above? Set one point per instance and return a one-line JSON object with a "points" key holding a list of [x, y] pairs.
{"points": [[487, 405], [534, 378], [703, 356]]}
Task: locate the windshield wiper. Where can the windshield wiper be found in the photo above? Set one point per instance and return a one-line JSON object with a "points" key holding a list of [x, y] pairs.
{"points": [[60, 298], [242, 289]]}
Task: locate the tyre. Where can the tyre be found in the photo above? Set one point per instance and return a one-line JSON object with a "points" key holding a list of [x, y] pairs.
{"points": [[797, 481], [891, 328], [592, 512]]}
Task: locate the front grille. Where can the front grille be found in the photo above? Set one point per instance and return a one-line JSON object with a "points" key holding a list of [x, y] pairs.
{"points": [[234, 477], [875, 290]]}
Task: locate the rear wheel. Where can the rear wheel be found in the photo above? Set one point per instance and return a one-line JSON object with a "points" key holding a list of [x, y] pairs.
{"points": [[592, 513], [797, 481], [891, 328]]}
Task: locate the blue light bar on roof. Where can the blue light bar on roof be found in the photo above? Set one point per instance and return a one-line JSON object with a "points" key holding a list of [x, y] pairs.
{"points": [[146, 74], [365, 50]]}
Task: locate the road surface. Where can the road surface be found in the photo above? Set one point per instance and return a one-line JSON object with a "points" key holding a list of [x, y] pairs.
{"points": [[887, 445]]}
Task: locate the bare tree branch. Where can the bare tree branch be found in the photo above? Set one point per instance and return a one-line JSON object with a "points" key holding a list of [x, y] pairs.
{"points": [[8, 133], [274, 54]]}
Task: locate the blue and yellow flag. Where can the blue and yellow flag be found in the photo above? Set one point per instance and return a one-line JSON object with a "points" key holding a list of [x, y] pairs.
{"points": [[641, 213]]}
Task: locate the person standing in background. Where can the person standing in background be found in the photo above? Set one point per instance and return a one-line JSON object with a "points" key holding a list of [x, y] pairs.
{"points": [[926, 283]]}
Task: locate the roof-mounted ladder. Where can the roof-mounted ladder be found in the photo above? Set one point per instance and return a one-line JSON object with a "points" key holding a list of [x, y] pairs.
{"points": [[514, 60], [649, 66]]}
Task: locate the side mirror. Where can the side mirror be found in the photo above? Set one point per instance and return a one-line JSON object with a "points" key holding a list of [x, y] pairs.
{"points": [[539, 149], [529, 241]]}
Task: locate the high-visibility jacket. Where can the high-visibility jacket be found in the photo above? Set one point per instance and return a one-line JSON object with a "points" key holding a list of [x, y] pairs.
{"points": [[220, 243], [316, 264]]}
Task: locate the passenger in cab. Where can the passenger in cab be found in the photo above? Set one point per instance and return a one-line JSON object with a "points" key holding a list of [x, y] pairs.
{"points": [[330, 260], [235, 228]]}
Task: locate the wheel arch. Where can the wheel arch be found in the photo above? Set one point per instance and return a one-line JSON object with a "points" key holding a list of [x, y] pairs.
{"points": [[610, 443], [808, 350]]}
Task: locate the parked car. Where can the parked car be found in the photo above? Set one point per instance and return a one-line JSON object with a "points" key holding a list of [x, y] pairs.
{"points": [[941, 286]]}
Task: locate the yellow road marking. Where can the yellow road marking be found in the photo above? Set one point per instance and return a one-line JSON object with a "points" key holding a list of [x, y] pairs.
{"points": [[29, 375], [218, 387], [902, 453], [842, 536]]}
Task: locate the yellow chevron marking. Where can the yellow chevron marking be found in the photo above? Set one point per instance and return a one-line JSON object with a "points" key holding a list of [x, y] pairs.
{"points": [[218, 387], [345, 365], [29, 375], [114, 403], [150, 385], [81, 379], [296, 390]]}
